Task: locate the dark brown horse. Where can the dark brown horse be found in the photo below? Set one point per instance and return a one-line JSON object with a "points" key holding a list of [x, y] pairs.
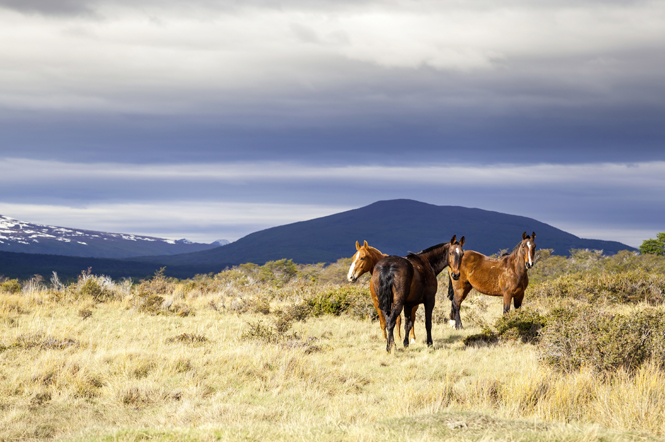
{"points": [[505, 276], [403, 283], [364, 261]]}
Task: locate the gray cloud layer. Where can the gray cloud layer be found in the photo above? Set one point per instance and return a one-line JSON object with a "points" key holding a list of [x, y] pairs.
{"points": [[321, 84]]}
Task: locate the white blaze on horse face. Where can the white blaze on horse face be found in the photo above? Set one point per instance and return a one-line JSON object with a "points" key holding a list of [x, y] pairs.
{"points": [[529, 253], [352, 268]]}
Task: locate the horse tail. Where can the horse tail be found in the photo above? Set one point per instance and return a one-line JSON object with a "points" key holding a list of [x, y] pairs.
{"points": [[386, 280], [451, 291]]}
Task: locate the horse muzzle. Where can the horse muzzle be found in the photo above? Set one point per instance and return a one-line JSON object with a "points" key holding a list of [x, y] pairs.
{"points": [[528, 265], [455, 276], [352, 278]]}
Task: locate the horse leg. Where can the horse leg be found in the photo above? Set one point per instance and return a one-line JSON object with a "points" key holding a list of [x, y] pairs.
{"points": [[391, 319], [408, 323], [429, 307], [457, 304], [507, 297], [413, 324], [382, 320], [398, 326], [517, 300], [382, 317]]}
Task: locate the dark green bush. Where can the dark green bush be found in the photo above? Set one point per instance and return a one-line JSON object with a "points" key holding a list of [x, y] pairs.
{"points": [[353, 300]]}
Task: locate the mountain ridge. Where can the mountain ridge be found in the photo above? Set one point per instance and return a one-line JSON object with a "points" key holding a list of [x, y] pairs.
{"points": [[394, 227], [24, 237]]}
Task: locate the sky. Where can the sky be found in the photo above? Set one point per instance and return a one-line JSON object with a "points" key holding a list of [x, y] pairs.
{"points": [[212, 119]]}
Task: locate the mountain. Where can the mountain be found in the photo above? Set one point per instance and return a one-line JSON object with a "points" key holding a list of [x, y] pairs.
{"points": [[394, 227], [22, 237]]}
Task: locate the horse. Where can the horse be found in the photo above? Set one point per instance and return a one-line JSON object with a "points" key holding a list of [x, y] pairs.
{"points": [[505, 276], [408, 282], [364, 261]]}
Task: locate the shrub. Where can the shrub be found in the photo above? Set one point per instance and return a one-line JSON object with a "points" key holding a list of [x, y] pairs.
{"points": [[158, 284], [654, 246], [353, 300], [625, 287], [92, 289], [278, 272], [521, 325], [11, 286], [258, 331], [601, 340]]}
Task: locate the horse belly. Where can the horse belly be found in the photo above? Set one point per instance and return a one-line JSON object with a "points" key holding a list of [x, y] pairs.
{"points": [[487, 283]]}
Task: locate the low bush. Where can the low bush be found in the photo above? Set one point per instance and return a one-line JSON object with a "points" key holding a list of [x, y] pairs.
{"points": [[606, 287], [523, 325], [11, 286], [353, 300], [601, 340], [90, 288]]}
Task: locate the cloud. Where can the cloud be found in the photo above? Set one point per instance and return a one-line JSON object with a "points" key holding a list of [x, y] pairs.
{"points": [[195, 220], [49, 7], [234, 199], [601, 175], [218, 59]]}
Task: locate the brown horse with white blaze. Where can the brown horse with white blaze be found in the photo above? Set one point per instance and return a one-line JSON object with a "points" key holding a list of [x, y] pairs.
{"points": [[403, 283], [505, 276], [364, 261]]}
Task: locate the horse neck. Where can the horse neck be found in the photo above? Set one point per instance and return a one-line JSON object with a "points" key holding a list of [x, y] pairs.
{"points": [[437, 258], [517, 260], [376, 256]]}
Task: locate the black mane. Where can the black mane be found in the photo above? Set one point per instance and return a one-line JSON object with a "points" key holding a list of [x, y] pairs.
{"points": [[429, 249]]}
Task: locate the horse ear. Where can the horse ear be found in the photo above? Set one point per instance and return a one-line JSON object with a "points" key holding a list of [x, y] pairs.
{"points": [[524, 235], [366, 245], [461, 242], [533, 235], [452, 240], [357, 245]]}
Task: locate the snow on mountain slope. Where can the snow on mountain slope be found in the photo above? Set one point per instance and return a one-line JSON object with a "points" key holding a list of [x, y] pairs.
{"points": [[25, 237]]}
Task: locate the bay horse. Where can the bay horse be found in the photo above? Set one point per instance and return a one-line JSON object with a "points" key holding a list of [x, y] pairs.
{"points": [[505, 276], [408, 282], [364, 261]]}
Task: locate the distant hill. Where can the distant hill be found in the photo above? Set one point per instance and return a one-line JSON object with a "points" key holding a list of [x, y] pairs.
{"points": [[394, 227], [26, 265], [23, 237]]}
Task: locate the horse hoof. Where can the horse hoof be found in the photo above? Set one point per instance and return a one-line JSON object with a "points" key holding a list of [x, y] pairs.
{"points": [[413, 341], [452, 323]]}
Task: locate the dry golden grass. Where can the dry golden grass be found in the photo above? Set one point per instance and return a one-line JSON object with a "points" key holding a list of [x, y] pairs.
{"points": [[120, 372], [226, 358]]}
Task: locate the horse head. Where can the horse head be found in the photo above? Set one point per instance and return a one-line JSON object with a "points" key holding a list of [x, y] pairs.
{"points": [[529, 247], [455, 254], [362, 262]]}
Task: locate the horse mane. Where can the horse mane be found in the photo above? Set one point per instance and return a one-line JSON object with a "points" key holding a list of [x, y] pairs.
{"points": [[514, 249], [429, 249]]}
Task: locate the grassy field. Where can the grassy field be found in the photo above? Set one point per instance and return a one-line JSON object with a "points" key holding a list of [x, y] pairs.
{"points": [[229, 357]]}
